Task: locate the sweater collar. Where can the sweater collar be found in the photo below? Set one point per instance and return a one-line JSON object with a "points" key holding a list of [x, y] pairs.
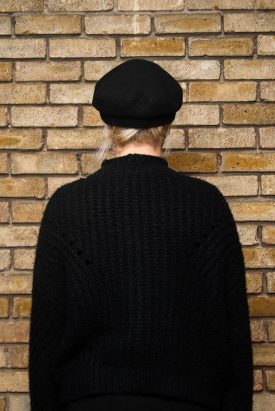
{"points": [[133, 160]]}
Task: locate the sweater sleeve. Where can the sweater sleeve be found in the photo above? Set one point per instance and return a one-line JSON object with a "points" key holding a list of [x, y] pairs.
{"points": [[239, 391], [47, 317]]}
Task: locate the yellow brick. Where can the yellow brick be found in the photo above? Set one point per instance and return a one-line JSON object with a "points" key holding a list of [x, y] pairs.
{"points": [[13, 331], [232, 161], [72, 93], [235, 185], [192, 162], [19, 402], [4, 308], [94, 70], [20, 139], [221, 46], [91, 117], [5, 25], [151, 5], [152, 46], [24, 259], [47, 24], [266, 45], [249, 22], [254, 284], [95, 47], [21, 307], [27, 211], [191, 69], [268, 234], [267, 90], [4, 211], [16, 284], [233, 137], [55, 182], [11, 236], [260, 257], [22, 187], [197, 114], [270, 379], [3, 163], [89, 163], [47, 70], [249, 69], [270, 280], [267, 137], [262, 306], [43, 163], [5, 71], [4, 117], [80, 5], [13, 380], [80, 138], [12, 93], [11, 6], [222, 91], [44, 116], [187, 23], [219, 4], [256, 113], [17, 357], [268, 185], [264, 354], [253, 210], [118, 24], [5, 256], [22, 48]]}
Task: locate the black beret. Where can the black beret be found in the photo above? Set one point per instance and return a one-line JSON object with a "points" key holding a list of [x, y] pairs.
{"points": [[137, 93]]}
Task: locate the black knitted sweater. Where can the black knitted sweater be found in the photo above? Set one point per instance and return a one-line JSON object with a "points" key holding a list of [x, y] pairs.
{"points": [[139, 287]]}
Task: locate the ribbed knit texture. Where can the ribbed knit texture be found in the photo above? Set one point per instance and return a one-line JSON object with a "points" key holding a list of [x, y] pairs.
{"points": [[139, 287]]}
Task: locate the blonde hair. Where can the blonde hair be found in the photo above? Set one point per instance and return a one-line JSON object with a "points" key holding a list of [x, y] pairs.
{"points": [[115, 136]]}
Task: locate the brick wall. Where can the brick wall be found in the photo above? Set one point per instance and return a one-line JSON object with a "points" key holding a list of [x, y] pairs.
{"points": [[52, 52]]}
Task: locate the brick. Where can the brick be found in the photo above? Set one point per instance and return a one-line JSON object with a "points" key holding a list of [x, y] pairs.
{"points": [[265, 4], [268, 185], [191, 69], [221, 137], [81, 138], [16, 284], [5, 25], [268, 234], [249, 69], [193, 162], [152, 46], [270, 380], [270, 282], [3, 163], [80, 5], [221, 46], [4, 211], [44, 116], [256, 113], [10, 6], [253, 210], [266, 45], [5, 71], [5, 259], [4, 117], [219, 4], [89, 163], [13, 380], [20, 139], [254, 284], [267, 137], [22, 187], [264, 354], [47, 24], [232, 161], [12, 93], [260, 257], [19, 402], [11, 236], [17, 355], [117, 24], [151, 5], [247, 232], [22, 48], [187, 23], [267, 91], [4, 307], [47, 70], [77, 47], [21, 307], [94, 70], [91, 117], [55, 182], [222, 91], [197, 114], [23, 259], [264, 401], [27, 211], [43, 163], [235, 185], [176, 139], [72, 93], [249, 22]]}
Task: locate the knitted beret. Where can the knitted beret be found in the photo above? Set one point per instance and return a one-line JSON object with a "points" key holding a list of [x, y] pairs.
{"points": [[137, 93]]}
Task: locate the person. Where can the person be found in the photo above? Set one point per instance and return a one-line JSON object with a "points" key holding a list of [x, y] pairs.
{"points": [[139, 296]]}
